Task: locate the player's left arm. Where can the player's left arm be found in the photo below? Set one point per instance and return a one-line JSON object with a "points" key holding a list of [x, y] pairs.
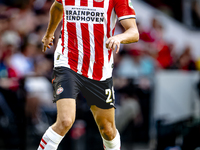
{"points": [[130, 35]]}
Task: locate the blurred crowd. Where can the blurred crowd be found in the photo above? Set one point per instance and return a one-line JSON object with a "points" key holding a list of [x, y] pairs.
{"points": [[26, 109]]}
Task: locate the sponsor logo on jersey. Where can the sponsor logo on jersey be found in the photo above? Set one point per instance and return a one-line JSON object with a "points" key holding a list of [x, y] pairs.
{"points": [[84, 15], [59, 90], [98, 0]]}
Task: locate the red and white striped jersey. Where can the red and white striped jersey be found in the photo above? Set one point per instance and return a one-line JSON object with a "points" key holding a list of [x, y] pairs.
{"points": [[87, 24]]}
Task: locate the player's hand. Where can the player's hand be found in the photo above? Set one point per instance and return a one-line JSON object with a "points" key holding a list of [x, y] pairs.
{"points": [[47, 42], [112, 43]]}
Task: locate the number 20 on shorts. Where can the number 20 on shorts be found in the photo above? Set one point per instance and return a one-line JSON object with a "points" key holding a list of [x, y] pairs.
{"points": [[109, 92]]}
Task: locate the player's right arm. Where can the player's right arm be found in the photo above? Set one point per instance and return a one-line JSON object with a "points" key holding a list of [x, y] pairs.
{"points": [[56, 13]]}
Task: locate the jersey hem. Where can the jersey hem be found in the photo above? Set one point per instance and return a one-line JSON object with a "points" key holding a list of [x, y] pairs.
{"points": [[127, 17], [102, 79]]}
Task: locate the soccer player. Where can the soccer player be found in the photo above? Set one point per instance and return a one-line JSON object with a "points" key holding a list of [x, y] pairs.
{"points": [[83, 61]]}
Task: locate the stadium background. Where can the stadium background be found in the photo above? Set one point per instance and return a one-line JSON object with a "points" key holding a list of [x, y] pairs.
{"points": [[156, 80]]}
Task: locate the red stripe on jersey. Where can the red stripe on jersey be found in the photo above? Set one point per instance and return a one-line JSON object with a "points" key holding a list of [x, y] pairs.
{"points": [[44, 141], [86, 49], [99, 58], [84, 2], [41, 146], [108, 17], [72, 46], [98, 3], [70, 2], [62, 36]]}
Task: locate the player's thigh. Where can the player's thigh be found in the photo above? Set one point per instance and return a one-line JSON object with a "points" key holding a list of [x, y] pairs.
{"points": [[103, 117], [66, 110], [65, 115]]}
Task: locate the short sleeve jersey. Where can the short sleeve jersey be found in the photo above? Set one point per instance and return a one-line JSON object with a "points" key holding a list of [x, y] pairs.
{"points": [[87, 24]]}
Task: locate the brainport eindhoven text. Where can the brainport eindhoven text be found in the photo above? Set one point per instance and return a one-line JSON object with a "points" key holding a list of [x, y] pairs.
{"points": [[84, 15]]}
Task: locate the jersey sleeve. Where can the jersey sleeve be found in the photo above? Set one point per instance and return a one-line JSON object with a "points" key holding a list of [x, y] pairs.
{"points": [[124, 9], [59, 1]]}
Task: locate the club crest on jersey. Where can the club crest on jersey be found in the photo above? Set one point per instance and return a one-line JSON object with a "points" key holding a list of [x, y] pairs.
{"points": [[59, 90], [98, 0]]}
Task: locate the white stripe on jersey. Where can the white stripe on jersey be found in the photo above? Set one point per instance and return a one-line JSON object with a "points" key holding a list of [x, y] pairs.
{"points": [[92, 50], [77, 2], [80, 47], [90, 3], [80, 43], [113, 19], [111, 63]]}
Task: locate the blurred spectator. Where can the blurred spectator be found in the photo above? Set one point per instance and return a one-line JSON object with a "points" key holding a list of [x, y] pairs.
{"points": [[135, 64], [23, 62], [155, 45], [11, 38], [8, 75], [186, 62], [164, 57]]}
